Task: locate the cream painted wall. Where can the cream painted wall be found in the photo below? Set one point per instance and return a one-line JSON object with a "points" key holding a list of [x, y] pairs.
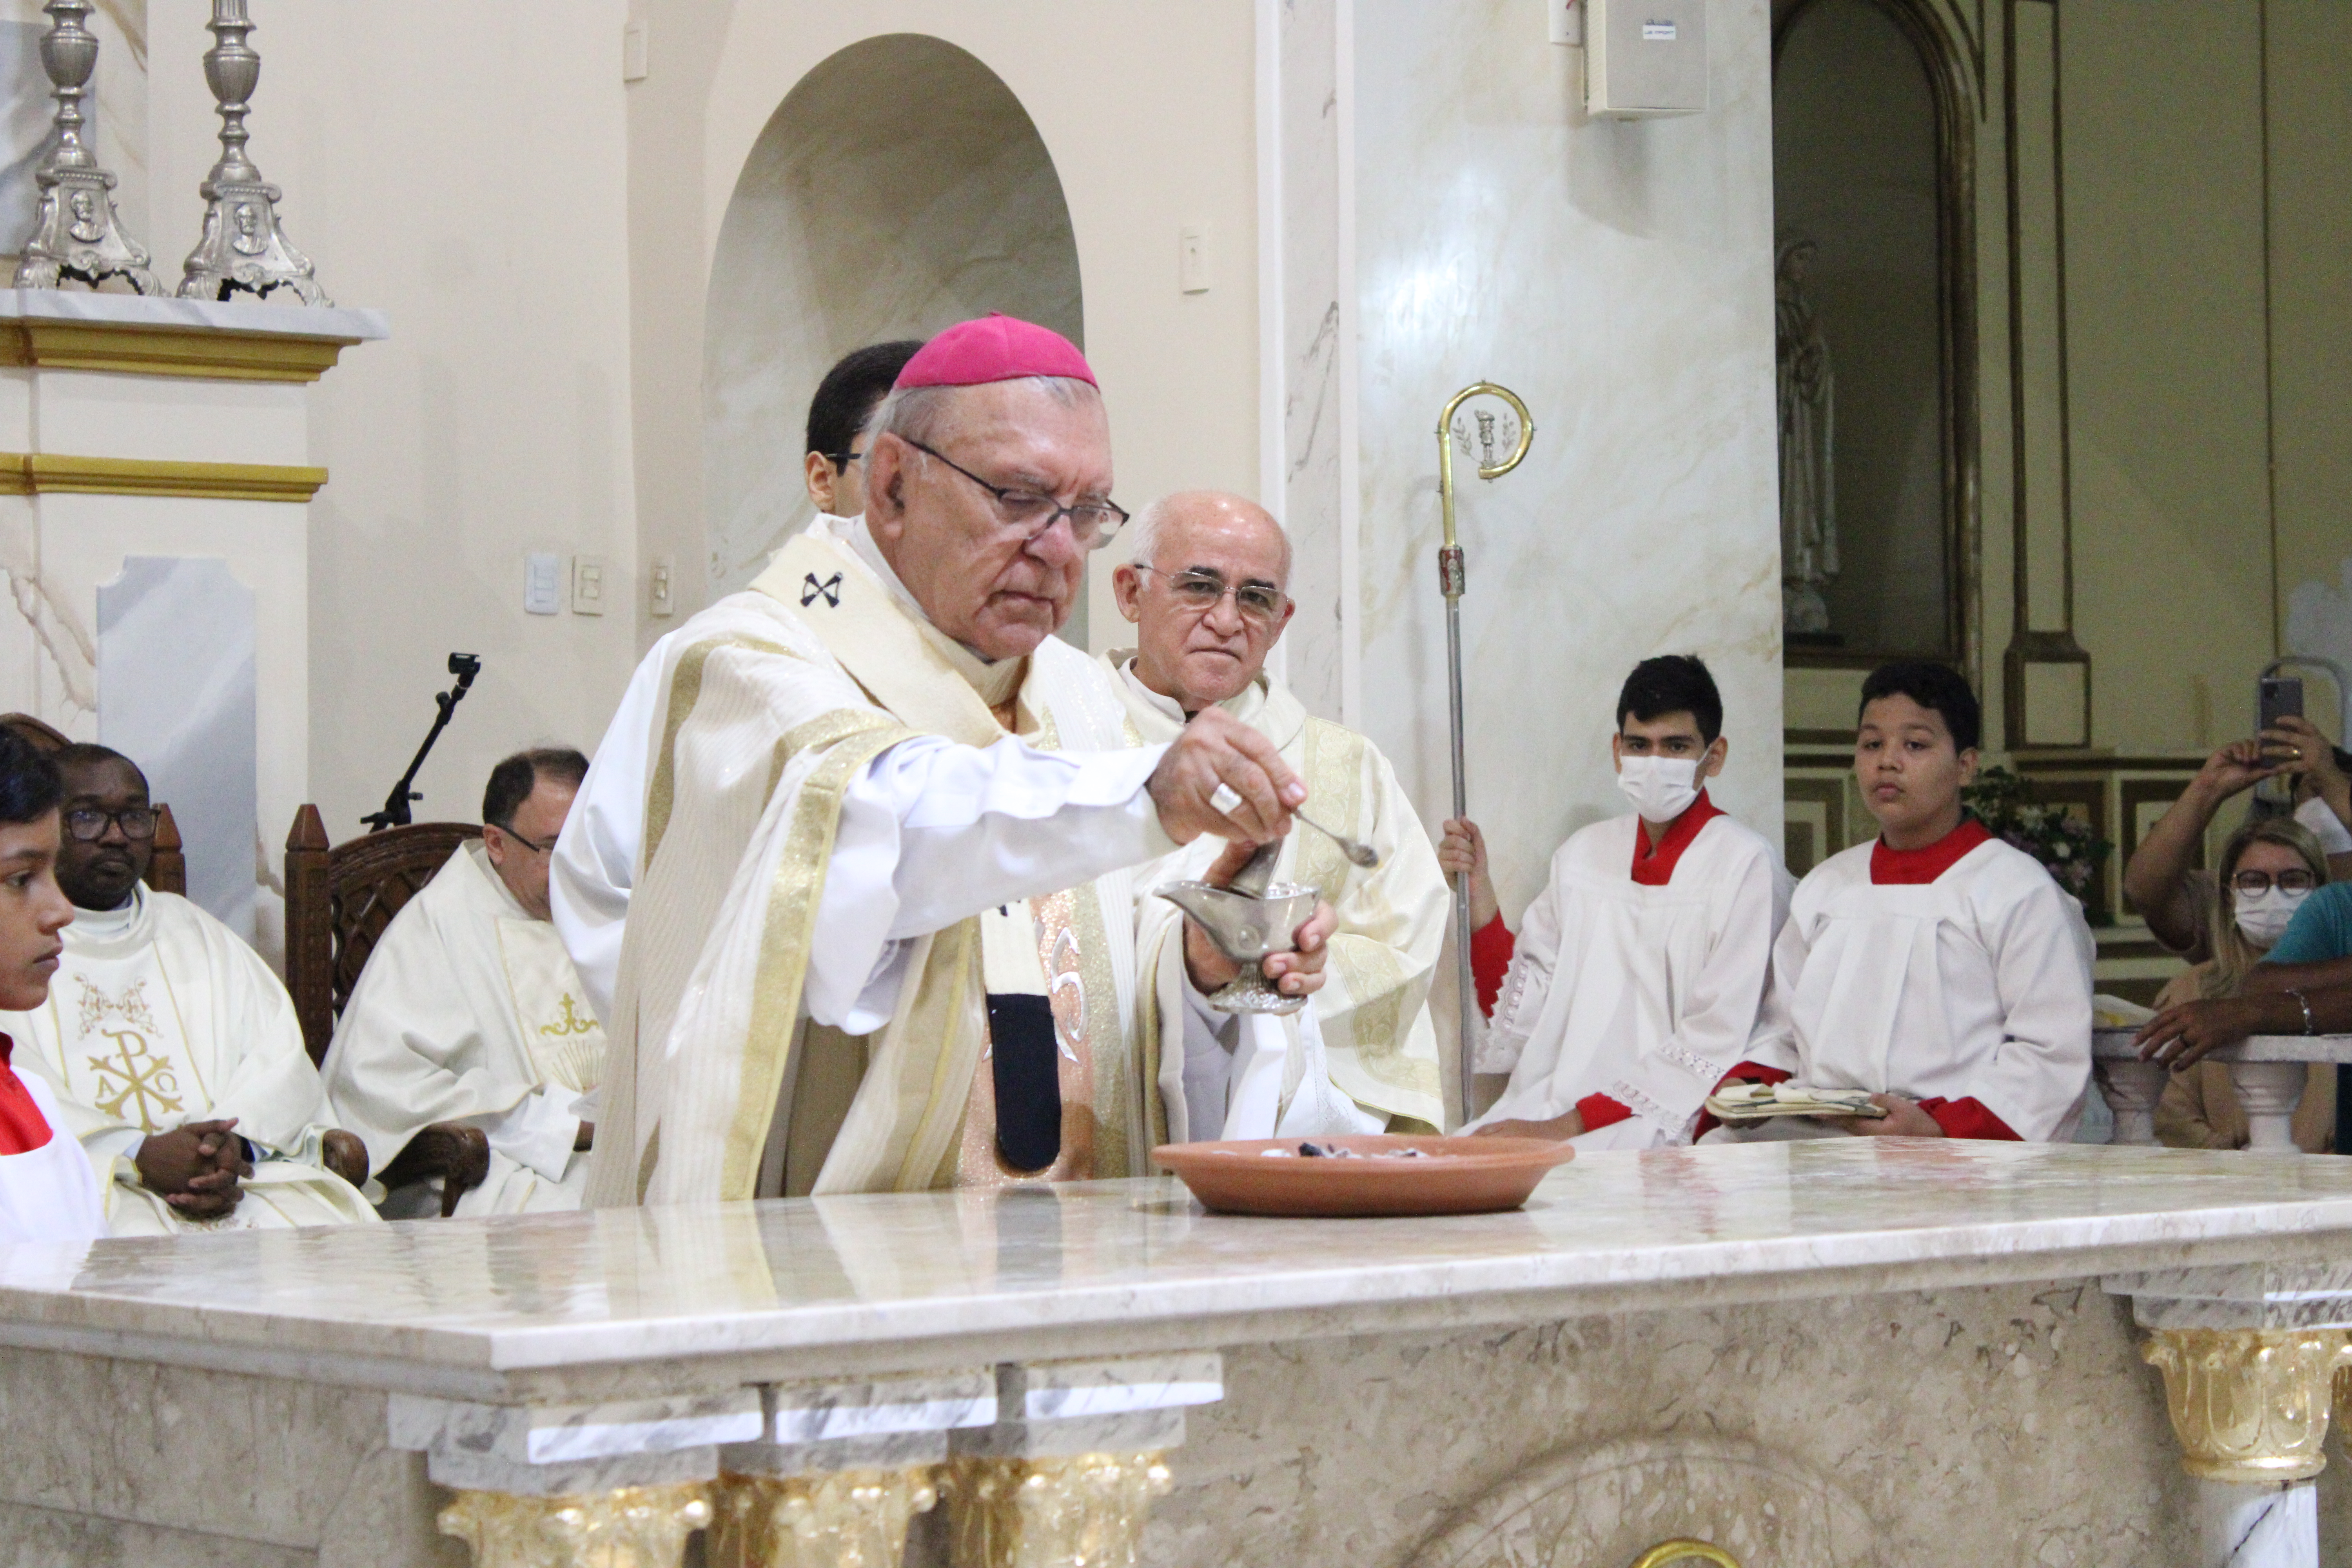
{"points": [[1147, 111], [472, 194]]}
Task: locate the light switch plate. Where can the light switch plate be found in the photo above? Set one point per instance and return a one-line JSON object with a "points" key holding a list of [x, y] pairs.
{"points": [[1193, 258], [589, 575], [542, 583], [1645, 58], [660, 593]]}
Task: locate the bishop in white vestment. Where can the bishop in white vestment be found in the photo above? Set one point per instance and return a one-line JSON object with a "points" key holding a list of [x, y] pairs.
{"points": [[1207, 593], [881, 935], [468, 1011], [159, 1020]]}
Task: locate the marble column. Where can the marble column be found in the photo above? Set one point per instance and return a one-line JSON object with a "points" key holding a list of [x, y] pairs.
{"points": [[2131, 1089], [2268, 1092], [2249, 1358]]}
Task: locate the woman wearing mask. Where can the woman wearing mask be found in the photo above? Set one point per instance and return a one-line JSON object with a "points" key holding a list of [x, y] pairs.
{"points": [[2268, 868]]}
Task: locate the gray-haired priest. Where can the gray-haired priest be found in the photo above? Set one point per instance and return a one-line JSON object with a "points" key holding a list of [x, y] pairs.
{"points": [[883, 938], [1207, 590]]}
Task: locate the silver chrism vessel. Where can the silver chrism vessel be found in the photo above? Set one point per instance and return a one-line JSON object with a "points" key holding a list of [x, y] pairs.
{"points": [[243, 249], [78, 234]]}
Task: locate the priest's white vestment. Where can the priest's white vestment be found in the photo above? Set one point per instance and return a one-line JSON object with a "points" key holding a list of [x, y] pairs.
{"points": [[1646, 995], [1975, 985], [807, 979], [158, 1015], [468, 1010], [1369, 1023]]}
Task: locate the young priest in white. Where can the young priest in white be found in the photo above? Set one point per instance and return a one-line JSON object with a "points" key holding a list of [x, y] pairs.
{"points": [[1937, 967], [1635, 985], [173, 1050], [49, 1191]]}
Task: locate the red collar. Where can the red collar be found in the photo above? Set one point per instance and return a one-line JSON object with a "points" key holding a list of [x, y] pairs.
{"points": [[1654, 867], [1913, 867]]}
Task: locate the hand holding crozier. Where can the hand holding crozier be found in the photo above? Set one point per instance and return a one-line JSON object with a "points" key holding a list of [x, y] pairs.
{"points": [[1223, 777]]}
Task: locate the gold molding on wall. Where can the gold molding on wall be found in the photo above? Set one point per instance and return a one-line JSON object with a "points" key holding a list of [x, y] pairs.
{"points": [[201, 353], [44, 473]]}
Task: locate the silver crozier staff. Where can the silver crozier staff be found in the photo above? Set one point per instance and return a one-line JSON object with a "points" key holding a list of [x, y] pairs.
{"points": [[1488, 431]]}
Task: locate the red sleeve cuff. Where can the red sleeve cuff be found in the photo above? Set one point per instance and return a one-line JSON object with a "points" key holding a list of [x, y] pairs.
{"points": [[1599, 1110], [1491, 948], [1969, 1118]]}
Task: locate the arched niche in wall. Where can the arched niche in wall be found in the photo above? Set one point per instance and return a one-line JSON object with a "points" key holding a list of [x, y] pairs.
{"points": [[900, 188], [1873, 168]]}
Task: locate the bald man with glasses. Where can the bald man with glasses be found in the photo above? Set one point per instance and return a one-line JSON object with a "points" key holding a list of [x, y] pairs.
{"points": [[1207, 591]]}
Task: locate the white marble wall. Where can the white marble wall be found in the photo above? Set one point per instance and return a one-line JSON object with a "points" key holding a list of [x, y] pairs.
{"points": [[1617, 275]]}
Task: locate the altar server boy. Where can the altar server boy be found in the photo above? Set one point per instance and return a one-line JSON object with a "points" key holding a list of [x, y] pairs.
{"points": [[1635, 985], [49, 1188], [1935, 966]]}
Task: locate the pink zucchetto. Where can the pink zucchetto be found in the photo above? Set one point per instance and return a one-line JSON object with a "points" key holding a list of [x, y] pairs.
{"points": [[994, 348]]}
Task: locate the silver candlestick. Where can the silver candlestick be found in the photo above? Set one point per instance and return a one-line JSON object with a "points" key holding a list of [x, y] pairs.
{"points": [[242, 247], [78, 235]]}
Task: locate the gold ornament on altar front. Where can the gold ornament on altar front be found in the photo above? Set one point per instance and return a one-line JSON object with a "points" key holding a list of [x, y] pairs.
{"points": [[1685, 1551], [1085, 1512], [851, 1519], [631, 1527], [2250, 1406]]}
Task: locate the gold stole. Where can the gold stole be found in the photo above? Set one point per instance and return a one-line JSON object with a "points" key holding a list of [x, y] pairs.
{"points": [[932, 1067]]}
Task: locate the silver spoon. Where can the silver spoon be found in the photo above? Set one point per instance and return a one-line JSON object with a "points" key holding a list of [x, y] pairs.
{"points": [[1357, 852]]}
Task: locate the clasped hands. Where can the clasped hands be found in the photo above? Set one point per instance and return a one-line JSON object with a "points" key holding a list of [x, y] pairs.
{"points": [[195, 1168], [1217, 751]]}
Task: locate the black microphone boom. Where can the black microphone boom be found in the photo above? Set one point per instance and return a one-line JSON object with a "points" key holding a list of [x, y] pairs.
{"points": [[465, 666]]}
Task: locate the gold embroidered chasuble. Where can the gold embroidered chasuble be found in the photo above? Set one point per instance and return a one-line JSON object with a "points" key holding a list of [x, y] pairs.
{"points": [[1380, 1048], [718, 1084]]}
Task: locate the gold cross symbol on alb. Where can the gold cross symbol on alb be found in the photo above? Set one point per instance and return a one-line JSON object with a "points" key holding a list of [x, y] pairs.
{"points": [[146, 1079]]}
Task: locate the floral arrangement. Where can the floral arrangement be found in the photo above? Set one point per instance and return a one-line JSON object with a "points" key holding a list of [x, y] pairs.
{"points": [[2065, 845]]}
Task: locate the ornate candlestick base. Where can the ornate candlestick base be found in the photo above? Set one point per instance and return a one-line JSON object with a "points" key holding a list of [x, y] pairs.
{"points": [[78, 235], [1051, 1513], [242, 247], [632, 1527]]}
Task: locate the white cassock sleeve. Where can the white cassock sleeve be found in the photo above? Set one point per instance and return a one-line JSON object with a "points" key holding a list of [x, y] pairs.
{"points": [[1774, 1043], [932, 833], [1534, 959], [1718, 1011], [2043, 960], [595, 861]]}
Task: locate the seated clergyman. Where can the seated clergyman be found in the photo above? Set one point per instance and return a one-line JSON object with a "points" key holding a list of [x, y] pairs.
{"points": [[1634, 983], [469, 1012], [1207, 590], [173, 1049], [1936, 967]]}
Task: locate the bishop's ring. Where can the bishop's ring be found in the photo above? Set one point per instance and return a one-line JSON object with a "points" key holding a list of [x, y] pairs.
{"points": [[1224, 797]]}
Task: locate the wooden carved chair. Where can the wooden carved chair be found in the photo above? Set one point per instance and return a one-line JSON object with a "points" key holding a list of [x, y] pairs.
{"points": [[339, 899]]}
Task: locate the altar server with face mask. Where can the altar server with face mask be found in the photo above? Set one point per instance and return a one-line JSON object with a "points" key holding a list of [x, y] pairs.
{"points": [[1634, 983], [1935, 966]]}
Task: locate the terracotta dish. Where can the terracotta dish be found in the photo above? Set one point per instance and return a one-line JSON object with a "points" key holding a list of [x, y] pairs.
{"points": [[1456, 1176]]}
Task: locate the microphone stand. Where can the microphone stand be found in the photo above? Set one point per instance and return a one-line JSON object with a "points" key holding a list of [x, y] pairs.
{"points": [[465, 666]]}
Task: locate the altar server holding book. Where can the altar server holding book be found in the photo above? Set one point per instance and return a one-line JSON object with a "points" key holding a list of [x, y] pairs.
{"points": [[1937, 967], [49, 1191], [1634, 985]]}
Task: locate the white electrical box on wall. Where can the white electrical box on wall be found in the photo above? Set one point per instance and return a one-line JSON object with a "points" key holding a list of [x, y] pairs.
{"points": [[1644, 56]]}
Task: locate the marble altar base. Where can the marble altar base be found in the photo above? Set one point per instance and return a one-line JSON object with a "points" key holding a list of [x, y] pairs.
{"points": [[1838, 1353]]}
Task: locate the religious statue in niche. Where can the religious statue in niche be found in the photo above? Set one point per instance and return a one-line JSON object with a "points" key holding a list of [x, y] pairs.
{"points": [[1808, 547]]}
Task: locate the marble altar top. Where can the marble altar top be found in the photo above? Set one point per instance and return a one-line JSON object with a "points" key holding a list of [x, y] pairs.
{"points": [[740, 1292]]}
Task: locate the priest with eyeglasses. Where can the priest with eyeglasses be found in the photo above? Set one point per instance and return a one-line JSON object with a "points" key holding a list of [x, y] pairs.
{"points": [[882, 930], [175, 1052], [1207, 591]]}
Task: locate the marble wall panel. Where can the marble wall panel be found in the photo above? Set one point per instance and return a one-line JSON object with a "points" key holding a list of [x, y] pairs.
{"points": [[176, 695], [1617, 275]]}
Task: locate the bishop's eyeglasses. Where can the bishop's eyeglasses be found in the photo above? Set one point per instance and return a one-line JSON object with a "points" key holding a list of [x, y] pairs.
{"points": [[1200, 592], [1091, 522]]}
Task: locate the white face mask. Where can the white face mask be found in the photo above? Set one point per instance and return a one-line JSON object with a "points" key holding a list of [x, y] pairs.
{"points": [[1661, 788], [2263, 917]]}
